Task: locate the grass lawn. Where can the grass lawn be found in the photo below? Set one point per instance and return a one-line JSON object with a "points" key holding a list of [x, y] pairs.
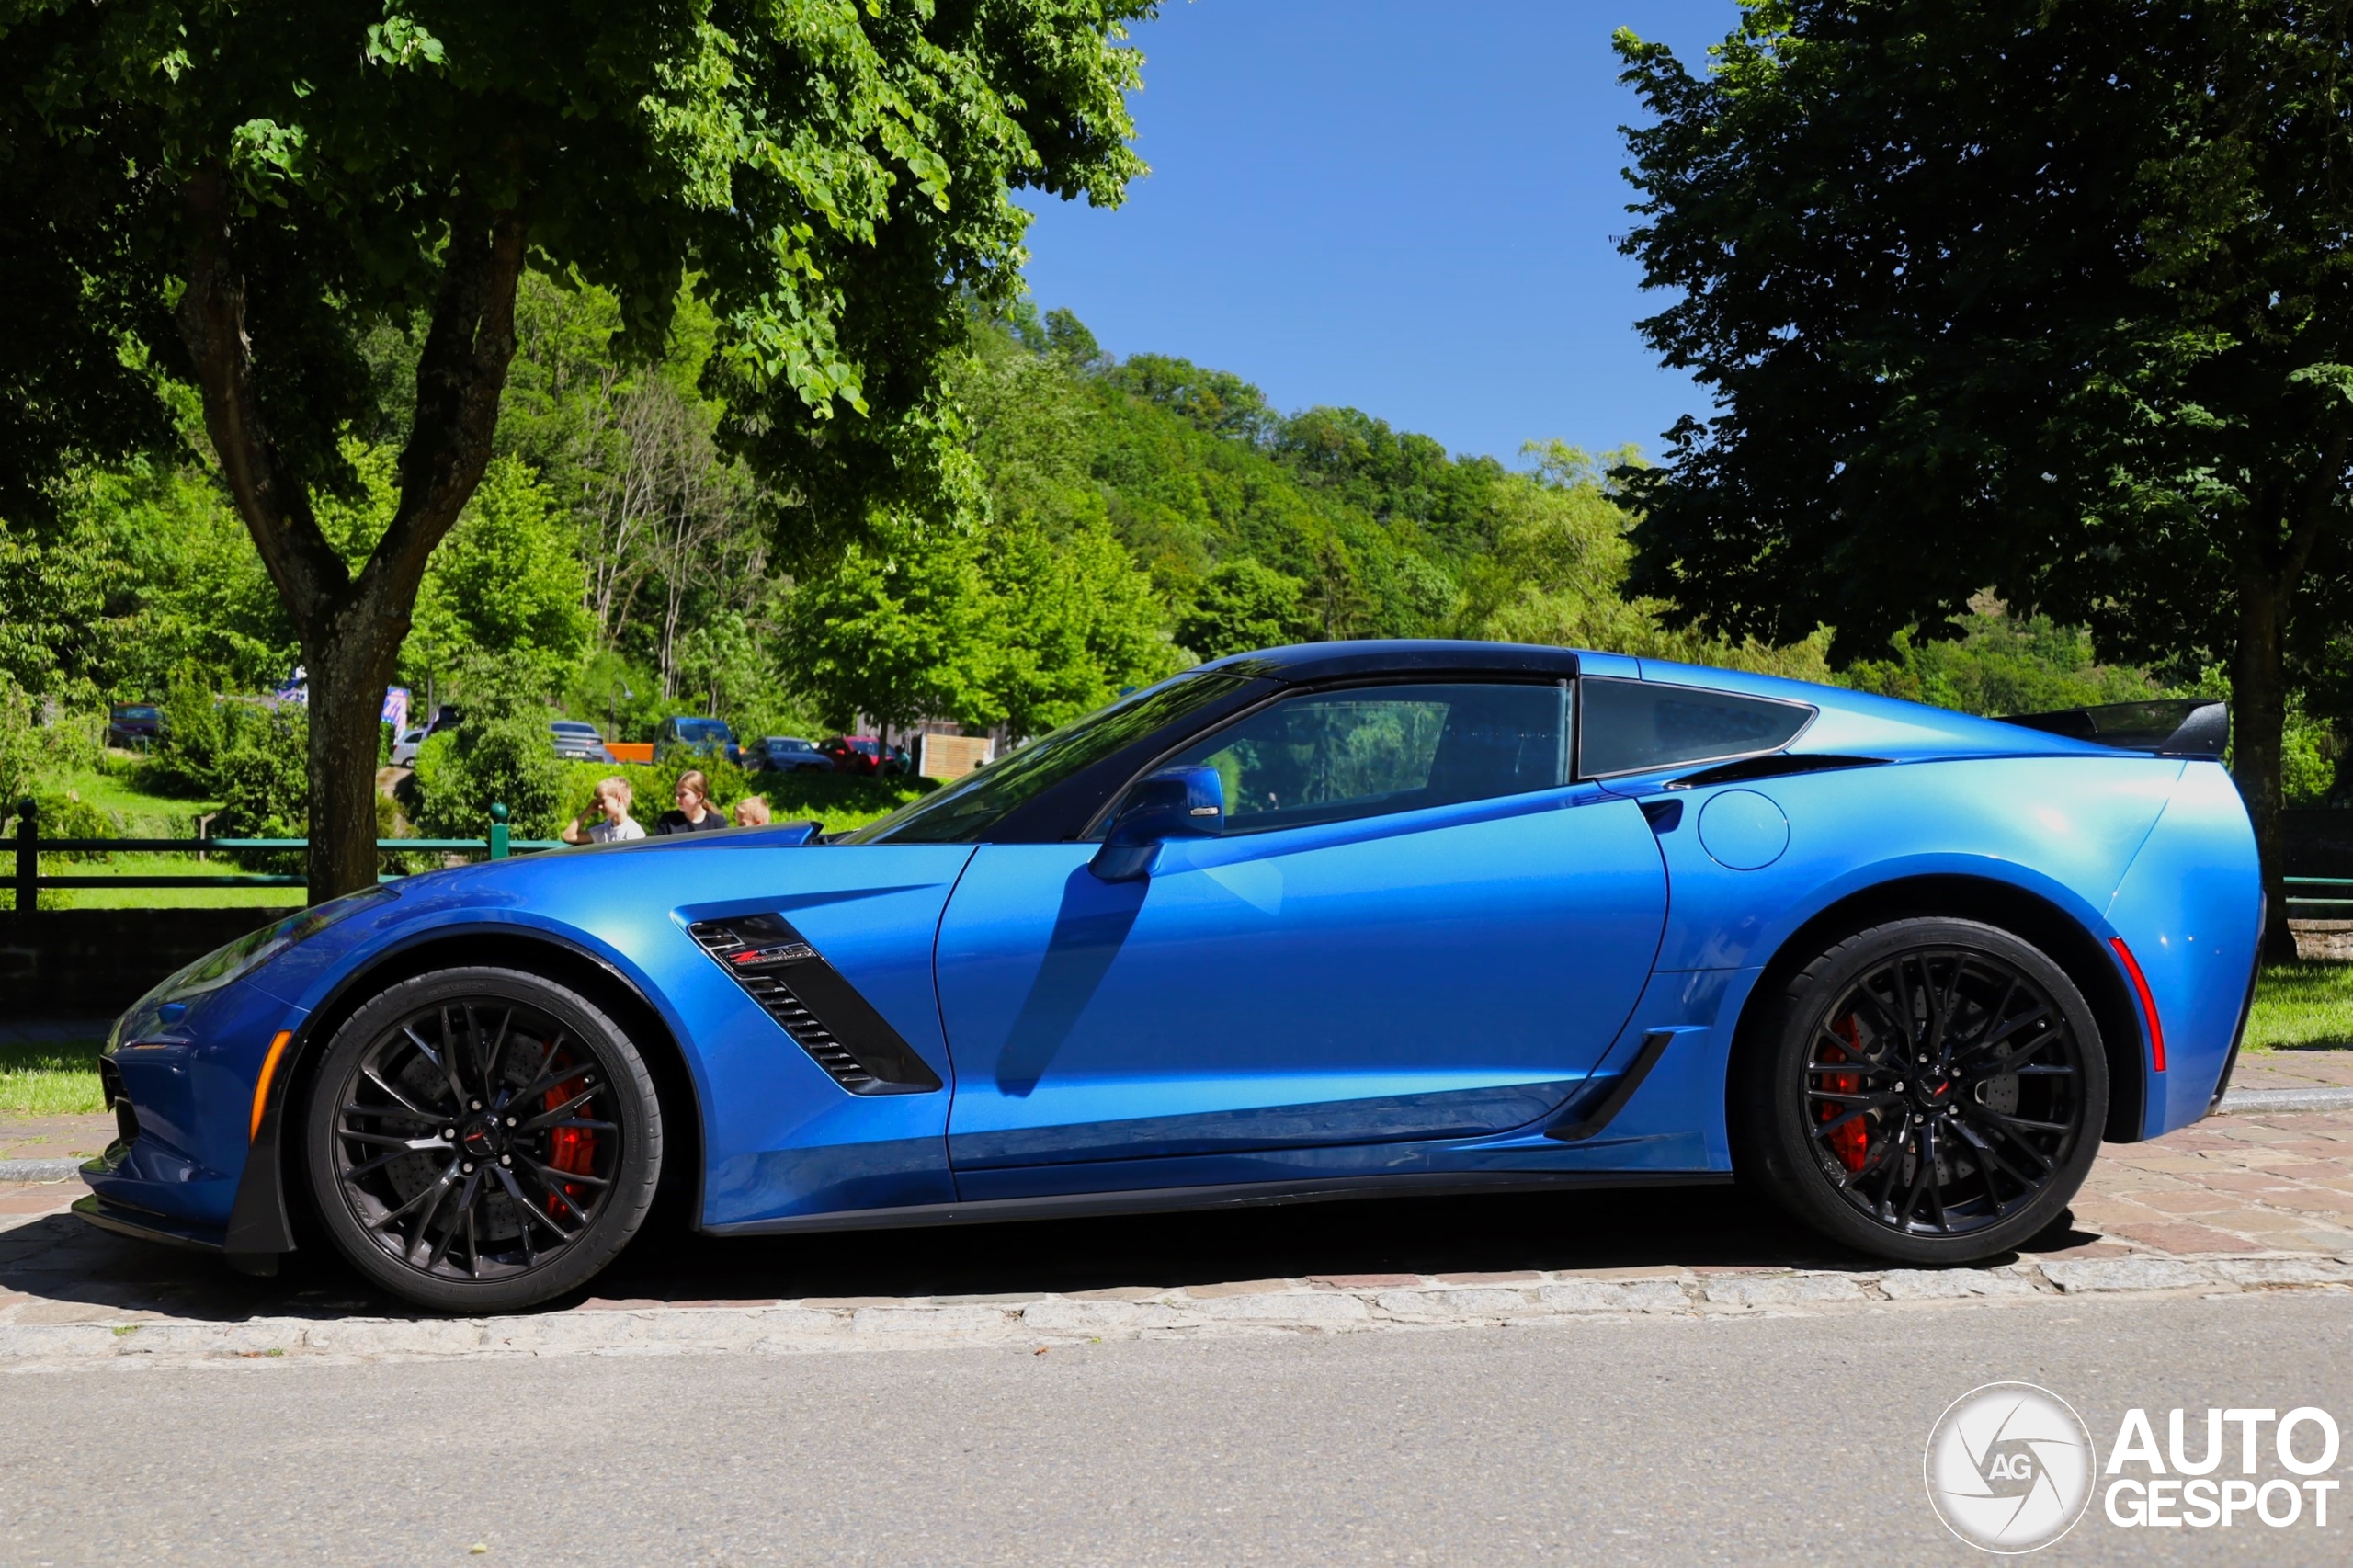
{"points": [[49, 1078], [2302, 1006], [145, 816], [162, 898]]}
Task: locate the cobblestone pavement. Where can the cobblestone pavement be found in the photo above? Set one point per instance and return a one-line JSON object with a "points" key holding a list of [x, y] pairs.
{"points": [[55, 1137], [2234, 1203], [2319, 1067]]}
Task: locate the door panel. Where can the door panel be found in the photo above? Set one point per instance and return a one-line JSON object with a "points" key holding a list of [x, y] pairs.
{"points": [[1449, 972]]}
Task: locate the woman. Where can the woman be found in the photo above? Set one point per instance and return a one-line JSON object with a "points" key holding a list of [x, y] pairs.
{"points": [[694, 814], [611, 808], [752, 811]]}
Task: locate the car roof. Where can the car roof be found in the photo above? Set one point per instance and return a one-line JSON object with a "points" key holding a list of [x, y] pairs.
{"points": [[1418, 656], [570, 724], [1847, 721]]}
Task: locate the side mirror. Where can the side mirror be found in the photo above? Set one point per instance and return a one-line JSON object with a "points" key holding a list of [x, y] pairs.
{"points": [[1177, 802]]}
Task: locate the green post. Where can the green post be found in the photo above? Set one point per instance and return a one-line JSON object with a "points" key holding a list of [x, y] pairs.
{"points": [[497, 830]]}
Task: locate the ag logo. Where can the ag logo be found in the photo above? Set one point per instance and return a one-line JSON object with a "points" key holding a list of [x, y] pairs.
{"points": [[2009, 1467]]}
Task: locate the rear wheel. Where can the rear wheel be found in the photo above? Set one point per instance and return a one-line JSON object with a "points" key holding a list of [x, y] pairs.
{"points": [[1929, 1090], [480, 1140]]}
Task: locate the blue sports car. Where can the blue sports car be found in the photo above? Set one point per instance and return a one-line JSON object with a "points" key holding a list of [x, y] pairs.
{"points": [[1327, 921]]}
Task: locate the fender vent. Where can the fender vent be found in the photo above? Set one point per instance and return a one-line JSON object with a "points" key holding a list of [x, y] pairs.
{"points": [[821, 1011]]}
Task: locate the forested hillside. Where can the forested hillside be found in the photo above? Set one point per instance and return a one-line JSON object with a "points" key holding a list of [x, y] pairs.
{"points": [[1130, 518]]}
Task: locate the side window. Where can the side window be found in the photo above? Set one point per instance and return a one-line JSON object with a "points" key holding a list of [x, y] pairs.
{"points": [[1332, 756], [1630, 726]]}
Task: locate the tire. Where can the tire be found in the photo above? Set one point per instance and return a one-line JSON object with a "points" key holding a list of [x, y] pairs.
{"points": [[1873, 1101], [490, 1177]]}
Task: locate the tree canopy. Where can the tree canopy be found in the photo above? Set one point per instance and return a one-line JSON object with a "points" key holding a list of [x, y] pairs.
{"points": [[2052, 300], [237, 196]]}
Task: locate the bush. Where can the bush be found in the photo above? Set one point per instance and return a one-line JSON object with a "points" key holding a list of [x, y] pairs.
{"points": [[261, 772], [500, 754], [64, 815]]}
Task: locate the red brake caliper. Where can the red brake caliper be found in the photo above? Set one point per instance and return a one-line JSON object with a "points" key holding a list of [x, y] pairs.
{"points": [[1853, 1141], [568, 1148]]}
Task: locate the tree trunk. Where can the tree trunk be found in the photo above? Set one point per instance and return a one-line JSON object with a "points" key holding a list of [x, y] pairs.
{"points": [[350, 661], [351, 628], [2258, 730]]}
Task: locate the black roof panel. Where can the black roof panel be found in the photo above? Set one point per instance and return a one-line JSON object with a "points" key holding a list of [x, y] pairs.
{"points": [[1340, 661]]}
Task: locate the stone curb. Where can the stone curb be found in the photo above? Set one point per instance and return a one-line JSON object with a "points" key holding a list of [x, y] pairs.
{"points": [[1046, 1321], [2251, 1102], [40, 1170]]}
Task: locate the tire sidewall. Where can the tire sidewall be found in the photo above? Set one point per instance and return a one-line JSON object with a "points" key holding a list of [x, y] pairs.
{"points": [[635, 1108], [1770, 1131]]}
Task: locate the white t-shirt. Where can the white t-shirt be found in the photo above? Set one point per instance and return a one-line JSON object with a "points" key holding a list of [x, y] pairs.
{"points": [[604, 830]]}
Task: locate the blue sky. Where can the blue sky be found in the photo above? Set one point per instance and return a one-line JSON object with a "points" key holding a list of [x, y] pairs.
{"points": [[1404, 205]]}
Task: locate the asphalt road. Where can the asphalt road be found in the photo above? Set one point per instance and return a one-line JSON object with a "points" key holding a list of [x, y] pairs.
{"points": [[1794, 1439]]}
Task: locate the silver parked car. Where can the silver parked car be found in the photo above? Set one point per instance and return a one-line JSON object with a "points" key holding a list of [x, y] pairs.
{"points": [[576, 741]]}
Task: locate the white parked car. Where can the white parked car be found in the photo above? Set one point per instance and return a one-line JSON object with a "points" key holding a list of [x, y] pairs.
{"points": [[404, 746]]}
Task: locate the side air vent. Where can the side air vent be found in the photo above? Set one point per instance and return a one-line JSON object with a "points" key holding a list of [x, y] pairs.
{"points": [[823, 1011]]}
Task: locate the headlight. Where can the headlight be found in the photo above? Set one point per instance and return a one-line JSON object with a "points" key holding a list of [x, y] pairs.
{"points": [[250, 951]]}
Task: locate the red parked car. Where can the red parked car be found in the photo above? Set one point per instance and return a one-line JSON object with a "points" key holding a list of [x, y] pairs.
{"points": [[856, 754]]}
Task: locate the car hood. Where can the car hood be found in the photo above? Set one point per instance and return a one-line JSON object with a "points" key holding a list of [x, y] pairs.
{"points": [[597, 899]]}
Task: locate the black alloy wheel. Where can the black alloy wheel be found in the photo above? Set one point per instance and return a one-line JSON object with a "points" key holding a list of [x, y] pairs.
{"points": [[482, 1139], [1931, 1090]]}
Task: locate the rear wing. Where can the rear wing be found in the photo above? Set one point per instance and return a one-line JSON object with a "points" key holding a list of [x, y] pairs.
{"points": [[2171, 727]]}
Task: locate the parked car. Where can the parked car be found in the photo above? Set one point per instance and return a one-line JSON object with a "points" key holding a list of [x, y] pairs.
{"points": [[136, 726], [576, 741], [1354, 918], [404, 746], [787, 754], [856, 754], [704, 737]]}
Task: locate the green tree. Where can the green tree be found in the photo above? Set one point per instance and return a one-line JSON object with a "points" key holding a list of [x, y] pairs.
{"points": [[897, 630], [2049, 299], [505, 582], [723, 665], [243, 199], [1071, 622], [1243, 605]]}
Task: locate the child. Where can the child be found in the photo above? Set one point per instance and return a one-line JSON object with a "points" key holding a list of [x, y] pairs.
{"points": [[752, 811], [613, 824]]}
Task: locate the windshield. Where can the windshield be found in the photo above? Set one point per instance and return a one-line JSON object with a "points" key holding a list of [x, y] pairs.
{"points": [[966, 809], [701, 729]]}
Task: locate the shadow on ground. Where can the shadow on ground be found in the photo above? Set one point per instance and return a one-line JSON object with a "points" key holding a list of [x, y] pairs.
{"points": [[73, 1271]]}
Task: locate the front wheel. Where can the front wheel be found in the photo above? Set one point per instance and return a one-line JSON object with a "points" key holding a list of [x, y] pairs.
{"points": [[480, 1140], [1929, 1090]]}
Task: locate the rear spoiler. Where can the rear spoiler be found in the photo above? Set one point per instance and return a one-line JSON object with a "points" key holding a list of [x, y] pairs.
{"points": [[2174, 727]]}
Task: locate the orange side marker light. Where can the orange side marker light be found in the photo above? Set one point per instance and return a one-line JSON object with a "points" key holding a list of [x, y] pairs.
{"points": [[268, 1070], [2148, 1003]]}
